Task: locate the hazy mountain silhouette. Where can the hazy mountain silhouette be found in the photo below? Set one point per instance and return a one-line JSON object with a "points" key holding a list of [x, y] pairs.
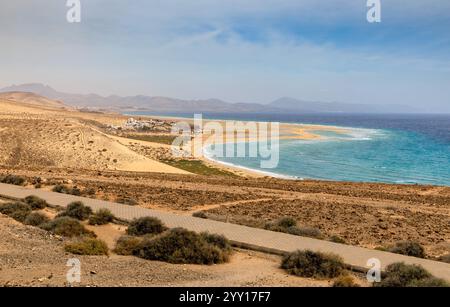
{"points": [[166, 104]]}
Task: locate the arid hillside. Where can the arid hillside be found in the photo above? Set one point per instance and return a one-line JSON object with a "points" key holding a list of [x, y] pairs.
{"points": [[42, 133], [32, 99]]}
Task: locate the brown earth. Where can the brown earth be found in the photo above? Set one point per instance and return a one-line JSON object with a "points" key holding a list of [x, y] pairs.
{"points": [[368, 215], [32, 257]]}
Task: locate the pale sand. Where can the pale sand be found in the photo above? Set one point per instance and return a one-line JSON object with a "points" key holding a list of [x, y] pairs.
{"points": [[60, 138], [287, 130]]}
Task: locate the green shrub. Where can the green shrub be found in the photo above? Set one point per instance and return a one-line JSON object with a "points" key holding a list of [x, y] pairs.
{"points": [[286, 222], [145, 225], [345, 281], [87, 246], [430, 282], [90, 191], [294, 230], [16, 210], [304, 232], [407, 248], [312, 264], [35, 202], [61, 188], [13, 179], [101, 217], [182, 246], [11, 207], [126, 245], [64, 189], [77, 210], [445, 258], [74, 191], [217, 240], [126, 201], [337, 239], [200, 214], [36, 219], [404, 275], [67, 227]]}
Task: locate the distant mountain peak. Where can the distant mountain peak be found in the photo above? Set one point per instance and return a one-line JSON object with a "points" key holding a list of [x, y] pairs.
{"points": [[171, 105]]}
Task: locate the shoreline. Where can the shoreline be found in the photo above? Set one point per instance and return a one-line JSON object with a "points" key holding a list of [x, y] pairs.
{"points": [[303, 132], [247, 170]]}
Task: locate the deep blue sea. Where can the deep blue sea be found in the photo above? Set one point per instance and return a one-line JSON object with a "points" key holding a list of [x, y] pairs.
{"points": [[378, 148]]}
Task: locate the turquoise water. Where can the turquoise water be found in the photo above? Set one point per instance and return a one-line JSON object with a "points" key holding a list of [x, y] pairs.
{"points": [[378, 148]]}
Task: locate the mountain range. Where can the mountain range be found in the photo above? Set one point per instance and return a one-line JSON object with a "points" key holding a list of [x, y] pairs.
{"points": [[173, 105]]}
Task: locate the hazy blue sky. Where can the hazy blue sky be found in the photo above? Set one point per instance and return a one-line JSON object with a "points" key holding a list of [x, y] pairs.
{"points": [[237, 50]]}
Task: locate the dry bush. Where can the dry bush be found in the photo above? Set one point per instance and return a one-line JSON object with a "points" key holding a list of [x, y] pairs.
{"points": [[101, 217], [67, 227], [404, 275], [87, 246], [311, 264], [183, 246], [145, 225], [77, 210]]}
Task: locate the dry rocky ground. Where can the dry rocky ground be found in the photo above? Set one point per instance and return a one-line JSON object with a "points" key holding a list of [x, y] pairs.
{"points": [[32, 257], [368, 215]]}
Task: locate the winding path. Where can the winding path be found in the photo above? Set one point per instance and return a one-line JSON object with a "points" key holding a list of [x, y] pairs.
{"points": [[253, 238]]}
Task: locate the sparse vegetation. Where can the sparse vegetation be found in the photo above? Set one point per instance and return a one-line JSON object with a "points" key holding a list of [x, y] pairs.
{"points": [[431, 282], [289, 225], [337, 239], [312, 264], [200, 214], [35, 202], [126, 245], [404, 275], [13, 179], [305, 232], [75, 191], [445, 258], [16, 210], [77, 210], [183, 246], [64, 189], [67, 227], [36, 219], [60, 188], [408, 248], [345, 281], [286, 222], [217, 240], [87, 246], [126, 201], [101, 217], [145, 225], [198, 167], [89, 191], [153, 138]]}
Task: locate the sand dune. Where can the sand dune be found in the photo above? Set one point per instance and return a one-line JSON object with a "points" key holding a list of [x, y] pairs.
{"points": [[32, 99], [34, 136]]}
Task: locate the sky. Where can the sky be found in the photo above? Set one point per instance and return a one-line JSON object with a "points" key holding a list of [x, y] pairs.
{"points": [[235, 50]]}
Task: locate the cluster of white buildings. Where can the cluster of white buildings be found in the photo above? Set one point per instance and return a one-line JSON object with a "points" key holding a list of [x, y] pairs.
{"points": [[142, 125]]}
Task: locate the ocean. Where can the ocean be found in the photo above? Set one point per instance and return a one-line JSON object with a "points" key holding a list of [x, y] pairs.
{"points": [[389, 148]]}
